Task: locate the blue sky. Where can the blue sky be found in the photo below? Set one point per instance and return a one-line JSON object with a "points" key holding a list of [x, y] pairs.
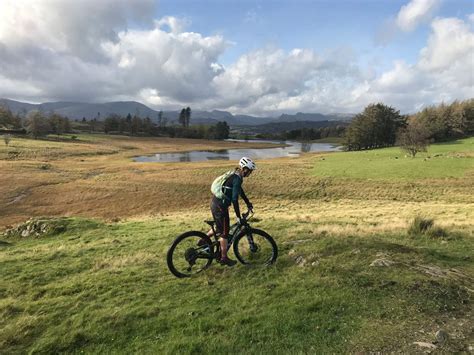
{"points": [[319, 25], [258, 57]]}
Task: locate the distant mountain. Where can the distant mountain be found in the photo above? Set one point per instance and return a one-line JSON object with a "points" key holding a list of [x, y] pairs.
{"points": [[78, 110]]}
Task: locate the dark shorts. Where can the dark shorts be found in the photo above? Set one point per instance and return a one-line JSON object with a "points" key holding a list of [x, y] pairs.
{"points": [[220, 213]]}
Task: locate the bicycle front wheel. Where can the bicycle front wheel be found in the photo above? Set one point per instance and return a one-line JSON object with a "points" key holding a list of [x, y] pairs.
{"points": [[190, 253], [255, 247]]}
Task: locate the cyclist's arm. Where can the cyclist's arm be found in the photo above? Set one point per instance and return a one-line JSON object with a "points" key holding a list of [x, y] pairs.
{"points": [[244, 196], [236, 190]]}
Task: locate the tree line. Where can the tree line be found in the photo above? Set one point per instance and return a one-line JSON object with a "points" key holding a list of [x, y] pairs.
{"points": [[37, 124], [383, 126]]}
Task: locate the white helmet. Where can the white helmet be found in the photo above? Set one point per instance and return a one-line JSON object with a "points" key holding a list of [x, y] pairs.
{"points": [[247, 163]]}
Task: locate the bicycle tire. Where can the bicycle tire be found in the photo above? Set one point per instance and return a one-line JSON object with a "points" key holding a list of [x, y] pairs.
{"points": [[171, 251], [240, 255]]}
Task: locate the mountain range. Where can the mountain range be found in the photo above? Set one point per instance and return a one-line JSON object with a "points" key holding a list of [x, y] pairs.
{"points": [[78, 110]]}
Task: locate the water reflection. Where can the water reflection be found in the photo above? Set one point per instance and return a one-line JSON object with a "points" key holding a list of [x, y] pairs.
{"points": [[293, 149], [306, 147]]}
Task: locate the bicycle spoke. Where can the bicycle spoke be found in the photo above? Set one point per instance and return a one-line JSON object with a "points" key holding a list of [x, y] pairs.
{"points": [[189, 257], [255, 249]]}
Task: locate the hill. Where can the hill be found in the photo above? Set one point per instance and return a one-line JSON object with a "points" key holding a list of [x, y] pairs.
{"points": [[78, 110]]}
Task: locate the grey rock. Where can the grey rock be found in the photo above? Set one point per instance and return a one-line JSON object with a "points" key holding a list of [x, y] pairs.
{"points": [[425, 345], [441, 337], [382, 262]]}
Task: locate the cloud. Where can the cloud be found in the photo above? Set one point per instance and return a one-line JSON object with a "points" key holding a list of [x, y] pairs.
{"points": [[110, 50], [444, 71], [87, 51], [415, 12]]}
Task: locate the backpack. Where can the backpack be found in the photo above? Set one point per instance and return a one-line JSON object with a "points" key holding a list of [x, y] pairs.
{"points": [[217, 187]]}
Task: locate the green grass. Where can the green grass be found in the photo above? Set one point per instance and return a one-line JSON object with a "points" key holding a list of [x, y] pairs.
{"points": [[448, 160], [105, 288]]}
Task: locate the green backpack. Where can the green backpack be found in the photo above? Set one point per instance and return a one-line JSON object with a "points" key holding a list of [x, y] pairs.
{"points": [[217, 187]]}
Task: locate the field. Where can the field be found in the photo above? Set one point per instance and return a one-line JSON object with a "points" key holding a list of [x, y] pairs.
{"points": [[101, 284]]}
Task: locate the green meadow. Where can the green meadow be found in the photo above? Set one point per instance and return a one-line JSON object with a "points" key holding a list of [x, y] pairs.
{"points": [[350, 277]]}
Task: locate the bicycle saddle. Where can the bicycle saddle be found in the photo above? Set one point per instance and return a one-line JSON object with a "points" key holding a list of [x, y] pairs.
{"points": [[211, 223]]}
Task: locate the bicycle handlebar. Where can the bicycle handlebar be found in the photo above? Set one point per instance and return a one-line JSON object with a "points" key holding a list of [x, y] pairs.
{"points": [[247, 214]]}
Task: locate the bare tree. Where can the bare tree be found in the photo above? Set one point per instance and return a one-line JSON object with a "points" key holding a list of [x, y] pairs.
{"points": [[36, 124], [7, 138], [414, 138]]}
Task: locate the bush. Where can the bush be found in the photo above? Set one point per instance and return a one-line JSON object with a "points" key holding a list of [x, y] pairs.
{"points": [[425, 226], [7, 138], [436, 232]]}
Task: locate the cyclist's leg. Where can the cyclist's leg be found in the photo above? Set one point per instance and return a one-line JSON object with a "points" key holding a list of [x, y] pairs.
{"points": [[221, 217], [224, 234]]}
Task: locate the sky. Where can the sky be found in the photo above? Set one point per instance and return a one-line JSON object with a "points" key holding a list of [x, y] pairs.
{"points": [[259, 57]]}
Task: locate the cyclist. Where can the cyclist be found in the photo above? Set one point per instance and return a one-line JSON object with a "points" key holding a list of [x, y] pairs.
{"points": [[232, 188]]}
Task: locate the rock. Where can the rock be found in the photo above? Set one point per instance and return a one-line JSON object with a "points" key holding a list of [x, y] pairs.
{"points": [[37, 227], [382, 262], [300, 260], [25, 233], [441, 337], [425, 345], [355, 251]]}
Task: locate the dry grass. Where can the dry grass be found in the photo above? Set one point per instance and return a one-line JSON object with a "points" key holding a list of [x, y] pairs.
{"points": [[95, 177]]}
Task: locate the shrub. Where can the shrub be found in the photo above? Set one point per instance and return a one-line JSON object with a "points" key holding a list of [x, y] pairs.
{"points": [[425, 226], [436, 232], [7, 138]]}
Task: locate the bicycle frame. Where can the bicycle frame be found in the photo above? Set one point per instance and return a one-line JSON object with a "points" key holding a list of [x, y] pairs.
{"points": [[236, 229]]}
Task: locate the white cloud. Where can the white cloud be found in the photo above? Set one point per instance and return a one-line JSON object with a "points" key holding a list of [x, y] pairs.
{"points": [[88, 51], [451, 42], [415, 12], [444, 71]]}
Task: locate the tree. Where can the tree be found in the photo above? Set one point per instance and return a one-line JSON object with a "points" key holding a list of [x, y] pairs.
{"points": [[36, 124], [58, 124], [147, 125], [187, 116], [111, 123], [221, 130], [8, 119], [414, 138], [182, 118], [7, 138], [122, 124], [128, 123], [375, 127], [136, 124]]}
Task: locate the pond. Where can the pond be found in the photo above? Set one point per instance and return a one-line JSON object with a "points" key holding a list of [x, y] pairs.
{"points": [[292, 149]]}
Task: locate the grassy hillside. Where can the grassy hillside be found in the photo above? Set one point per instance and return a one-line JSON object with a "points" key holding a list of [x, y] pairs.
{"points": [[99, 285]]}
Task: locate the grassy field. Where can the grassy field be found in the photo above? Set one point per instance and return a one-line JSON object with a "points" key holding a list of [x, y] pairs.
{"points": [[101, 285]]}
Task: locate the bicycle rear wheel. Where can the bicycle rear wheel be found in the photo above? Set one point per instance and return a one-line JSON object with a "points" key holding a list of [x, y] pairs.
{"points": [[255, 247], [190, 253]]}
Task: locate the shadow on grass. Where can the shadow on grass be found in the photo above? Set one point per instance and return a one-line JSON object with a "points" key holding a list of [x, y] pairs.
{"points": [[5, 244]]}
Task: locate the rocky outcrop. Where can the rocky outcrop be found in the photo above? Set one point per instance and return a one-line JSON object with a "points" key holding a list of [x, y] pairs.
{"points": [[36, 227]]}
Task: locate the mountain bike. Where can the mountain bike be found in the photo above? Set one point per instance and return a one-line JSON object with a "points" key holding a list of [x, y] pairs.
{"points": [[193, 252]]}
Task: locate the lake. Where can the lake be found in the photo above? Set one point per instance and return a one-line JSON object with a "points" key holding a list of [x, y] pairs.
{"points": [[293, 149]]}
